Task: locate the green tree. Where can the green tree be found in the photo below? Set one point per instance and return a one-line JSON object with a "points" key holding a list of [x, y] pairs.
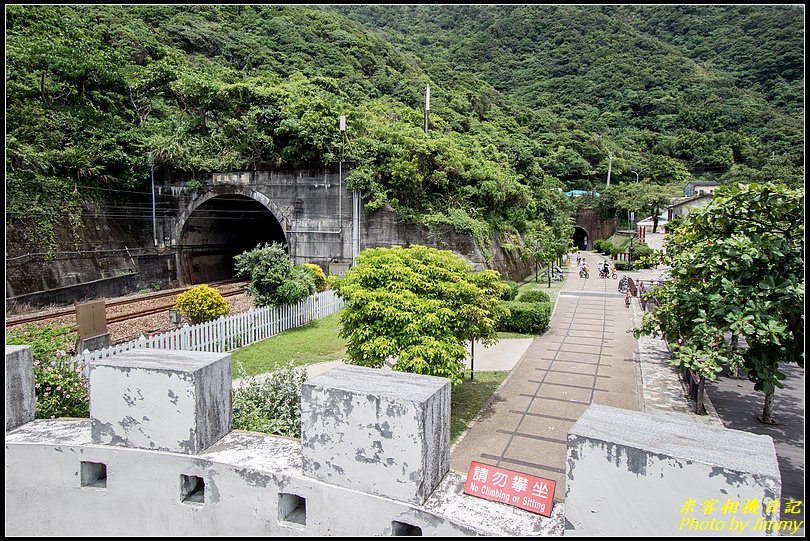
{"points": [[418, 305], [646, 198], [548, 243], [738, 272]]}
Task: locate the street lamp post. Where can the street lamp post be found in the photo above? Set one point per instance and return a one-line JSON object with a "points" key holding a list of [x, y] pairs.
{"points": [[630, 251], [637, 173]]}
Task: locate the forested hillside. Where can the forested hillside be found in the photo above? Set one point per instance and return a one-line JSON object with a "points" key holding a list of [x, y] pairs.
{"points": [[526, 100], [719, 88]]}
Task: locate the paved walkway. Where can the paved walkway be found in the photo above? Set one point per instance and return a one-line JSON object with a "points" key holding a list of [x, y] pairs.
{"points": [[586, 357]]}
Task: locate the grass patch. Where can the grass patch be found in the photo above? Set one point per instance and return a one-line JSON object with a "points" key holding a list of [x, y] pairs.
{"points": [[507, 335], [315, 342], [469, 397], [620, 240], [318, 341]]}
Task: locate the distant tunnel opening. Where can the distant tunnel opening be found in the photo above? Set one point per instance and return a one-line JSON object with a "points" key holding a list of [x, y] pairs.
{"points": [[580, 238], [218, 230]]}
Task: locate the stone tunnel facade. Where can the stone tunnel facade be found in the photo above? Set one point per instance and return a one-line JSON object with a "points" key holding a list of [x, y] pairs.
{"points": [[310, 210]]}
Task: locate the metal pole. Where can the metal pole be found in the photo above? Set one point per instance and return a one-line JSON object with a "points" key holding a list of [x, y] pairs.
{"points": [[355, 225], [610, 166], [427, 106], [340, 180], [154, 221]]}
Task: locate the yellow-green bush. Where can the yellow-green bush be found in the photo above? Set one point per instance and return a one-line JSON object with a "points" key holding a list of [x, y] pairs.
{"points": [[318, 275], [202, 303]]}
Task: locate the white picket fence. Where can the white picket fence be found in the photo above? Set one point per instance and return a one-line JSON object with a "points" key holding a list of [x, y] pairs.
{"points": [[232, 332]]}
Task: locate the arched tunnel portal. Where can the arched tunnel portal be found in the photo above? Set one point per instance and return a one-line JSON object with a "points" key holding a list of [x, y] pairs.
{"points": [[220, 228], [580, 238]]}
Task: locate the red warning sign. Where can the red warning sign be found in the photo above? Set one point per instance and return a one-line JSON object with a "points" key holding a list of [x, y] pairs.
{"points": [[518, 489]]}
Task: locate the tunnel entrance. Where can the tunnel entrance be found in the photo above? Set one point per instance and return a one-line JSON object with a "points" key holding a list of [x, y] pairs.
{"points": [[580, 238], [219, 229]]}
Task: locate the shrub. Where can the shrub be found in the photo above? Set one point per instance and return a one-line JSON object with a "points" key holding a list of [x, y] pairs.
{"points": [[511, 293], [299, 285], [641, 255], [525, 317], [202, 303], [602, 246], [624, 266], [273, 280], [318, 276], [533, 295], [60, 386], [273, 405], [656, 257]]}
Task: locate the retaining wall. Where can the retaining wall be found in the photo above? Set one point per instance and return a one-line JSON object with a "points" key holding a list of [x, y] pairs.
{"points": [[153, 460]]}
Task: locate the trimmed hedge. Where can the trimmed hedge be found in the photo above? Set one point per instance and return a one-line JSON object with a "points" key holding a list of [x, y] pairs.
{"points": [[525, 317], [641, 250], [533, 295]]}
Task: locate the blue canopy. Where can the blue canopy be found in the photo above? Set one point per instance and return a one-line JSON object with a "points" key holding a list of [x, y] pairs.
{"points": [[581, 192]]}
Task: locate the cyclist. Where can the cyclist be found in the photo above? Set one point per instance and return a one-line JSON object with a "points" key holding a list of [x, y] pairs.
{"points": [[583, 269], [604, 269]]}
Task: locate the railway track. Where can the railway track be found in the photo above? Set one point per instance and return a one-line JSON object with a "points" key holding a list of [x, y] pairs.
{"points": [[157, 310], [223, 287]]}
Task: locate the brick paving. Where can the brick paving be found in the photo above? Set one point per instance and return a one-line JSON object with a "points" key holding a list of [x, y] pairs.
{"points": [[586, 357]]}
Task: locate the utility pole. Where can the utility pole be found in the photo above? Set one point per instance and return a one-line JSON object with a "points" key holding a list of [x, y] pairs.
{"points": [[610, 166], [340, 178], [151, 157], [427, 106]]}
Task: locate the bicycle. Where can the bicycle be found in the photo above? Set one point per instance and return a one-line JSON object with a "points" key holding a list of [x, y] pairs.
{"points": [[624, 287], [583, 273]]}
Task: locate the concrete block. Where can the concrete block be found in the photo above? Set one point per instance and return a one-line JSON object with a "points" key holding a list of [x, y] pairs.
{"points": [[174, 401], [663, 474], [20, 399], [94, 343], [381, 432]]}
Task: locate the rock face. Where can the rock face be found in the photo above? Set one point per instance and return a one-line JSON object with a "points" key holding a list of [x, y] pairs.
{"points": [[382, 433]]}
